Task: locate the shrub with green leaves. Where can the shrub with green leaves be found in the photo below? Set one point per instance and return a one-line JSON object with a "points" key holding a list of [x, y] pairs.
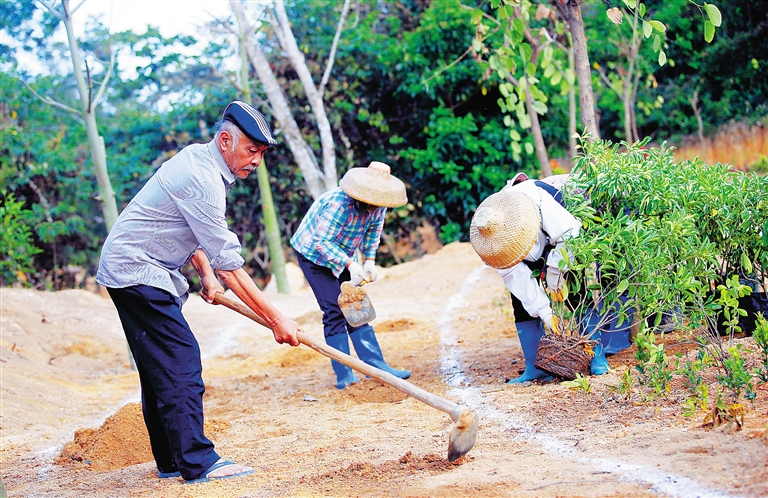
{"points": [[663, 233], [15, 239]]}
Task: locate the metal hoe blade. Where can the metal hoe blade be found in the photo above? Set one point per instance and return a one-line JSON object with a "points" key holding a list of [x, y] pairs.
{"points": [[356, 305]]}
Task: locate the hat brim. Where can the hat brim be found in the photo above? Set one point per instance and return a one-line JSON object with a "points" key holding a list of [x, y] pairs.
{"points": [[373, 187], [505, 228]]}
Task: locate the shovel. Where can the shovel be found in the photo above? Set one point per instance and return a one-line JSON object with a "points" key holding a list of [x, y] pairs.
{"points": [[356, 305], [464, 430]]}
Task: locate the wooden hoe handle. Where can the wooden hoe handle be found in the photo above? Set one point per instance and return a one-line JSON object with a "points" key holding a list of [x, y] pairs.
{"points": [[442, 404]]}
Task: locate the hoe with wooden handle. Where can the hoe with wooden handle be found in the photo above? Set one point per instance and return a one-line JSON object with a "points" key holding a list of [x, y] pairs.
{"points": [[463, 432]]}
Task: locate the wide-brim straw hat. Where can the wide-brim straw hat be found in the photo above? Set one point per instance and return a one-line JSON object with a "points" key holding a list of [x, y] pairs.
{"points": [[374, 185], [504, 228]]}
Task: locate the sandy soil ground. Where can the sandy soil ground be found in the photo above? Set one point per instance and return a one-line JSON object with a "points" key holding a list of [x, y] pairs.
{"points": [[71, 423]]}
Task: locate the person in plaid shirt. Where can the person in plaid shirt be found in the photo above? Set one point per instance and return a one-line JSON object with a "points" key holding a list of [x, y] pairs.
{"points": [[341, 221]]}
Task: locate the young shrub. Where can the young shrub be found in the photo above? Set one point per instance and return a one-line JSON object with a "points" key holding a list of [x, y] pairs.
{"points": [[16, 239]]}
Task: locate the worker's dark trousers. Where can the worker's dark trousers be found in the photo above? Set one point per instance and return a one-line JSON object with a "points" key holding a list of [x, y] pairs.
{"points": [[170, 370], [327, 288]]}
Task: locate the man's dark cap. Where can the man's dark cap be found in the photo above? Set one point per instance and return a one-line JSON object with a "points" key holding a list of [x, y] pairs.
{"points": [[251, 122]]}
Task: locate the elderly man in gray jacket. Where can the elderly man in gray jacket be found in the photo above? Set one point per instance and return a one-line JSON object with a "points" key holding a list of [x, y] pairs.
{"points": [[179, 217]]}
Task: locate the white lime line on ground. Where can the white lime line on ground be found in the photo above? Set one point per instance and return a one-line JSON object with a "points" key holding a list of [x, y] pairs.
{"points": [[452, 368]]}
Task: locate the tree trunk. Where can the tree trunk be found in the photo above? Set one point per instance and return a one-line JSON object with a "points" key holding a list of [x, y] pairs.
{"points": [[633, 108], [272, 229], [95, 141], [296, 58], [572, 13], [269, 213], [302, 153], [571, 109], [627, 118], [702, 143], [538, 138]]}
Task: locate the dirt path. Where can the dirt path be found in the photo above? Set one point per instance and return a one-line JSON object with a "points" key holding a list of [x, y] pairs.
{"points": [[445, 317]]}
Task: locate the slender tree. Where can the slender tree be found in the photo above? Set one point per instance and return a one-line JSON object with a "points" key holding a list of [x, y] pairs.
{"points": [[271, 224], [89, 101], [318, 178], [570, 10]]}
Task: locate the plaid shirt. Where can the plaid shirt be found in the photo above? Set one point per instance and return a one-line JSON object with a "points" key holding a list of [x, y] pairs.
{"points": [[334, 227]]}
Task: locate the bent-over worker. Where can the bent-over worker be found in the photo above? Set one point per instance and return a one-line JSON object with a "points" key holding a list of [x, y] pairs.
{"points": [[521, 231], [339, 222], [179, 217]]}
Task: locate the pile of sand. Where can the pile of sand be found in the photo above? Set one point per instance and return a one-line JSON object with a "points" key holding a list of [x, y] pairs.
{"points": [[122, 440]]}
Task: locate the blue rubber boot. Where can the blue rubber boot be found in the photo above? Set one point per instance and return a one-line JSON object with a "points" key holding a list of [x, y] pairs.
{"points": [[530, 333], [614, 337], [599, 365], [344, 375], [369, 351]]}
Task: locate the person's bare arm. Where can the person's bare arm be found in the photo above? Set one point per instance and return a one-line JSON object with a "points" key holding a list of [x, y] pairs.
{"points": [[211, 284], [283, 328]]}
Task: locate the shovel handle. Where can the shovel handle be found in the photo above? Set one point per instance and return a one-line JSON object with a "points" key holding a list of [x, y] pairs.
{"points": [[442, 404]]}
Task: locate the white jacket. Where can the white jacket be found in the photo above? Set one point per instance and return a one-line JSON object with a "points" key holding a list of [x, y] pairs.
{"points": [[557, 226]]}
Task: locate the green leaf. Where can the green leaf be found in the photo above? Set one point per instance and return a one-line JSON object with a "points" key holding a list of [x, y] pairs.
{"points": [[709, 31], [519, 26], [624, 285], [647, 29], [658, 25], [570, 76], [630, 3], [714, 14], [477, 16], [540, 107], [556, 78], [662, 58], [746, 263], [515, 135], [528, 148], [537, 94]]}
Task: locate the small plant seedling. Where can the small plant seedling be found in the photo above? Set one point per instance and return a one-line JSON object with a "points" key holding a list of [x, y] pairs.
{"points": [[580, 383]]}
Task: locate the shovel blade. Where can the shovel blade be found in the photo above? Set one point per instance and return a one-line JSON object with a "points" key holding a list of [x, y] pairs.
{"points": [[356, 305], [463, 435]]}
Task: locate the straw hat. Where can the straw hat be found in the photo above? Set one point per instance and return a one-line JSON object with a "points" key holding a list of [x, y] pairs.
{"points": [[374, 185], [504, 228]]}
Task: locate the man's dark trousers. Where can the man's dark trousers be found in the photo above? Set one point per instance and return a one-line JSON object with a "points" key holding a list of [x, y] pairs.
{"points": [[170, 371], [327, 288]]}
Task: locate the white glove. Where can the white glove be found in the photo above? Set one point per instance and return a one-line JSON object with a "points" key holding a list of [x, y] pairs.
{"points": [[356, 274], [546, 318], [555, 279], [370, 270]]}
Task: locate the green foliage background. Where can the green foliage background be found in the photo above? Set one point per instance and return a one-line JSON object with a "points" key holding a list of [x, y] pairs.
{"points": [[404, 91]]}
